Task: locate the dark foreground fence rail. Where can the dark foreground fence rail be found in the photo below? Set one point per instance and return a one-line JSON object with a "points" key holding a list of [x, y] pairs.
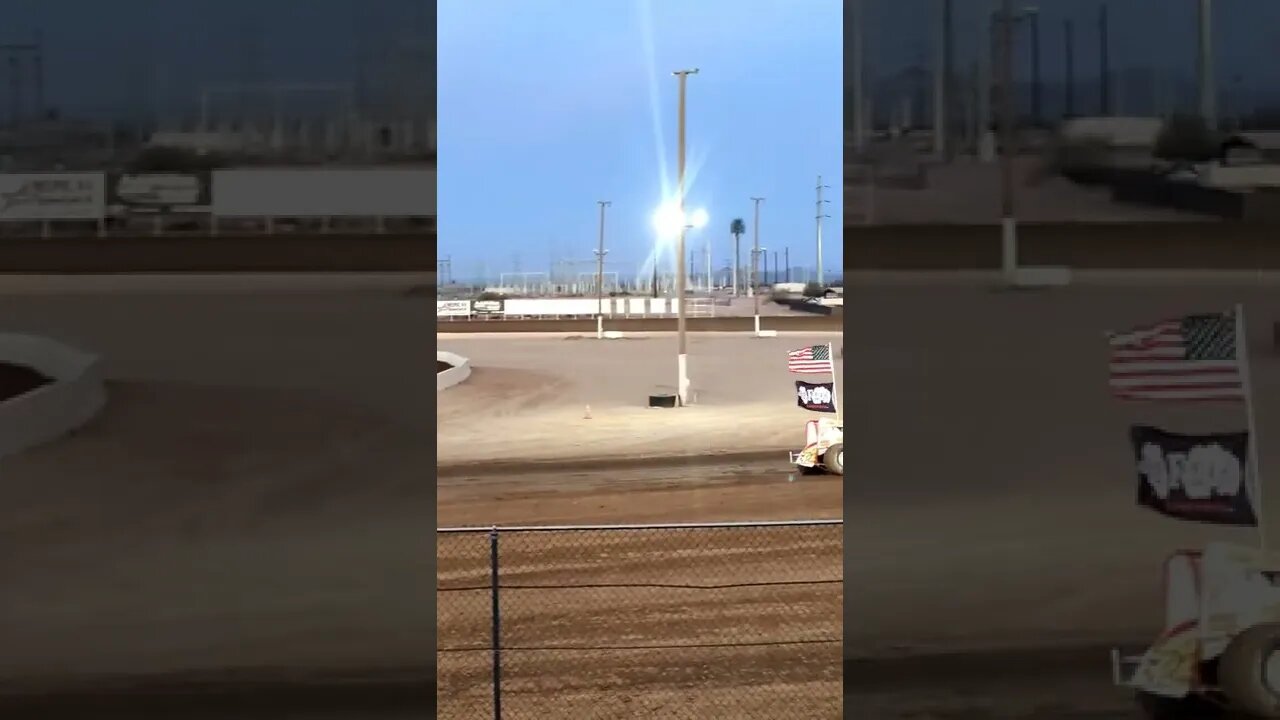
{"points": [[310, 253], [1193, 245], [723, 620]]}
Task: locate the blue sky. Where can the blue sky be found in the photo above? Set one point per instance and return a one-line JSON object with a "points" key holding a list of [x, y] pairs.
{"points": [[546, 107], [1144, 33], [127, 59]]}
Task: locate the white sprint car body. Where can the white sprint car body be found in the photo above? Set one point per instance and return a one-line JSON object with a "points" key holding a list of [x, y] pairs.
{"points": [[823, 446], [1220, 646]]}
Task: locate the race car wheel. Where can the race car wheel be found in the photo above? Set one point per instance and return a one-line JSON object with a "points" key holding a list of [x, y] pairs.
{"points": [[833, 459], [1249, 671]]}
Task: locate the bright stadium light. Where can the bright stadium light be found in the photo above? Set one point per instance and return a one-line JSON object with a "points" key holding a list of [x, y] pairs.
{"points": [[668, 221]]}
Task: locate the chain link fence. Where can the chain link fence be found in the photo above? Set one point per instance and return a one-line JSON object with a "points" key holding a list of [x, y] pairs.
{"points": [[732, 620]]}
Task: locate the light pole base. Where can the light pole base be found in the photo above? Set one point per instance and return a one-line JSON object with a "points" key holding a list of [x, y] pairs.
{"points": [[987, 147], [682, 383], [757, 326], [599, 327]]}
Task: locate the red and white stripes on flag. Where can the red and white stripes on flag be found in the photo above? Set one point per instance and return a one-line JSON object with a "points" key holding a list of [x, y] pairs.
{"points": [[1190, 358], [812, 360]]}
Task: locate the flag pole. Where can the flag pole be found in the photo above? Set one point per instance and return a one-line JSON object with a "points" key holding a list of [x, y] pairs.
{"points": [[835, 389], [1246, 381]]}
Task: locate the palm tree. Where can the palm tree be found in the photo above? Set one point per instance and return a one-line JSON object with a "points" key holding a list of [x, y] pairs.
{"points": [[737, 228]]}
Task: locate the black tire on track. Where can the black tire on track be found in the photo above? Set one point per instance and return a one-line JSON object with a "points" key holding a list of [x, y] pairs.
{"points": [[833, 459], [1155, 707], [1242, 671]]}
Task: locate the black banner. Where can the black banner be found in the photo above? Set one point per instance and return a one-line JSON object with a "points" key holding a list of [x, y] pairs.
{"points": [[818, 397], [159, 192], [1201, 478]]}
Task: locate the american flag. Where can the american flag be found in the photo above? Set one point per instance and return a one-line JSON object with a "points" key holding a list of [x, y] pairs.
{"points": [[812, 360], [1190, 358]]}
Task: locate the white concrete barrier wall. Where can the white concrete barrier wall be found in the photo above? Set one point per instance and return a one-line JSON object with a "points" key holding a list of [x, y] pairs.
{"points": [[563, 307], [585, 307], [75, 396], [460, 371]]}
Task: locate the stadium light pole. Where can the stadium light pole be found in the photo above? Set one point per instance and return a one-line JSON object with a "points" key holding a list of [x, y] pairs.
{"points": [[682, 351], [755, 261], [1069, 62], [1204, 65], [600, 252], [1008, 139], [1032, 15], [857, 48], [942, 81]]}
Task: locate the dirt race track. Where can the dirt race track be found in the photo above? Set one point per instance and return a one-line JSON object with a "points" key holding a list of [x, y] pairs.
{"points": [[993, 551], [240, 534], [673, 623], [254, 506], [993, 548]]}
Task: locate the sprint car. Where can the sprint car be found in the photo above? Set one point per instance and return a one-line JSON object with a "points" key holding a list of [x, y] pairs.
{"points": [[823, 447], [1219, 652]]}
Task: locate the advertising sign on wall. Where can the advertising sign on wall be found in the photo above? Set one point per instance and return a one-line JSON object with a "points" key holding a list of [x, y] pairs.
{"points": [[323, 192], [52, 196], [159, 192], [488, 307], [453, 308]]}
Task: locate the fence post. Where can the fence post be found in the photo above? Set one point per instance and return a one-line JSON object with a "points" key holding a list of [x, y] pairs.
{"points": [[496, 625]]}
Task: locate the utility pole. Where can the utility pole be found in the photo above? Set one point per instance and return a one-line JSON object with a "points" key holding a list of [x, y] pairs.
{"points": [[786, 258], [940, 82], [15, 90], [1037, 118], [1204, 66], [710, 278], [986, 73], [1104, 62], [600, 253], [949, 75], [755, 261], [858, 48], [775, 270], [755, 247], [1068, 30], [1008, 223], [682, 353], [41, 110], [444, 270], [822, 278]]}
